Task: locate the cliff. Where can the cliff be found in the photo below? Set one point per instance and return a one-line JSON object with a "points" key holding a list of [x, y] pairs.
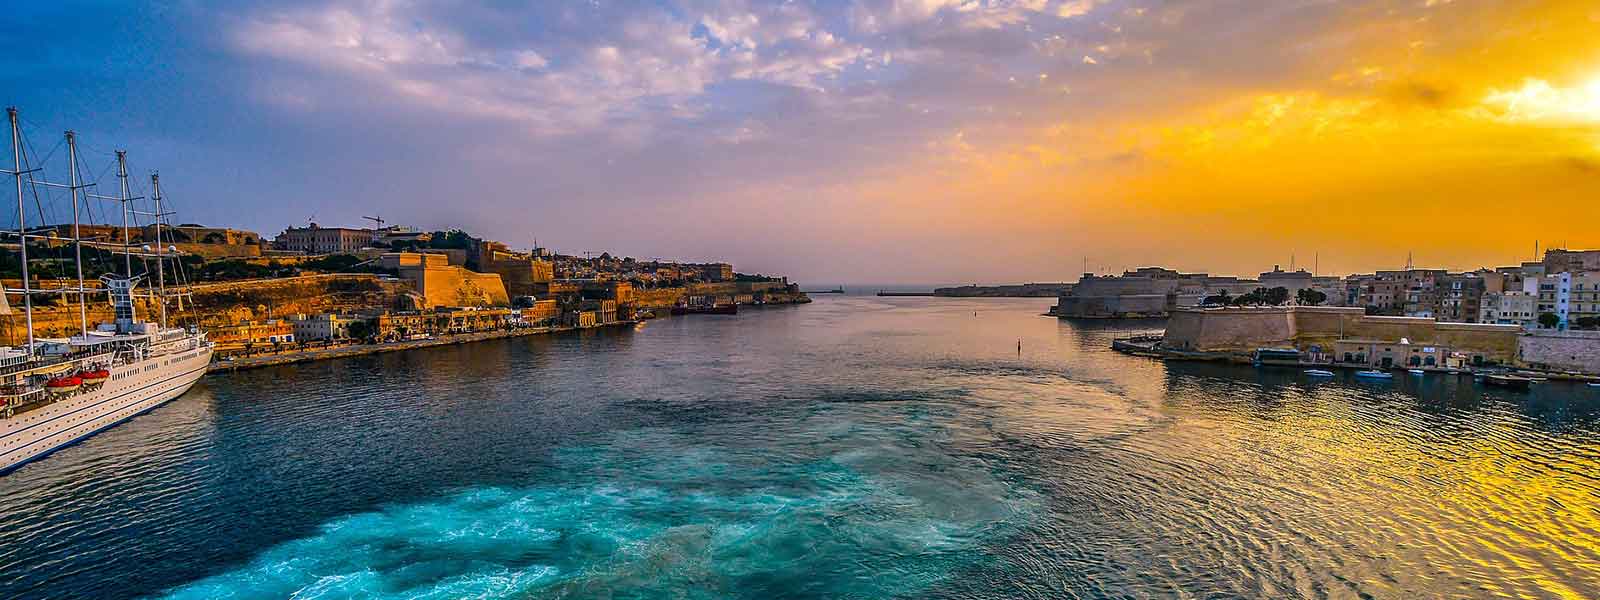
{"points": [[226, 303]]}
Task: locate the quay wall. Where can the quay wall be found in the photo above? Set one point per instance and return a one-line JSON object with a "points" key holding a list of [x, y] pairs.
{"points": [[1245, 329], [1562, 351], [1229, 329], [1113, 307]]}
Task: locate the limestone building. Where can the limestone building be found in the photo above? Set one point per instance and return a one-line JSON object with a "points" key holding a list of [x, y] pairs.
{"points": [[442, 284]]}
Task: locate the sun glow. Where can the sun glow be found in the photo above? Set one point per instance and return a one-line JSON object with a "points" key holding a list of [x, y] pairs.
{"points": [[1539, 101]]}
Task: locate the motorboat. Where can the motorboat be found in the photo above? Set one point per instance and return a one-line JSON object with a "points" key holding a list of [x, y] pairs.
{"points": [[1374, 374], [1319, 373], [1514, 382]]}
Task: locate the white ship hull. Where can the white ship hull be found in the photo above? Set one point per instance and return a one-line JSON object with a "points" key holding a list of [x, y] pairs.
{"points": [[131, 390]]}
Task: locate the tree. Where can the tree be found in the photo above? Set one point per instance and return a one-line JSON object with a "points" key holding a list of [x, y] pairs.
{"points": [[1549, 320], [1277, 296], [1310, 297], [1588, 322], [359, 330], [1222, 298]]}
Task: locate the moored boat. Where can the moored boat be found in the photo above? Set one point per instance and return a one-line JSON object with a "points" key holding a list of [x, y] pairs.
{"points": [[1508, 381], [716, 309], [55, 391], [1374, 374], [1318, 373]]}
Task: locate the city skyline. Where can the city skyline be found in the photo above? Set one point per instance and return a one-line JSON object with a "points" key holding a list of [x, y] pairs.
{"points": [[892, 142]]}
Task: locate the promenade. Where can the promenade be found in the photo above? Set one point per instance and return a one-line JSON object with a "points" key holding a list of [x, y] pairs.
{"points": [[293, 357]]}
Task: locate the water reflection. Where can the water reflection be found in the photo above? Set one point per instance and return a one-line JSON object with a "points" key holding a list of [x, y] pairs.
{"points": [[857, 447]]}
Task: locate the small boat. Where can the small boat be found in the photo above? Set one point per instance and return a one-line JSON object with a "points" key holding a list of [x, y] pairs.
{"points": [[1319, 373], [717, 309], [1597, 384], [1374, 374], [95, 377], [1508, 381], [1416, 371], [63, 386]]}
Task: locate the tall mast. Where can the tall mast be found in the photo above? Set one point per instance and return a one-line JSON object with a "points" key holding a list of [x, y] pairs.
{"points": [[22, 225], [161, 267], [122, 180], [77, 238]]}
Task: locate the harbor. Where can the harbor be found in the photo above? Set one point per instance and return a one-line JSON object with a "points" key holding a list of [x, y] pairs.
{"points": [[395, 300], [229, 365], [483, 448]]}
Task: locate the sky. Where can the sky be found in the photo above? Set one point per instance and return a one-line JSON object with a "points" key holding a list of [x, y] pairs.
{"points": [[854, 141]]}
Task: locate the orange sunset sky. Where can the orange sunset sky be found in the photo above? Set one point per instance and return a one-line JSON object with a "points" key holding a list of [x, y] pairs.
{"points": [[882, 141], [1462, 133]]}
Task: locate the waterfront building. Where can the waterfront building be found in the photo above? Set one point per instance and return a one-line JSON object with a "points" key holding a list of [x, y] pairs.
{"points": [[1570, 261], [1385, 354], [1460, 298], [474, 319], [543, 313], [580, 318], [605, 311], [1144, 292], [323, 327], [1569, 296], [1381, 292], [1508, 308], [1294, 281], [316, 239], [250, 333]]}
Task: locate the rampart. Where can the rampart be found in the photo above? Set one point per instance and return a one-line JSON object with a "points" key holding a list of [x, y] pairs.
{"points": [[1245, 329]]}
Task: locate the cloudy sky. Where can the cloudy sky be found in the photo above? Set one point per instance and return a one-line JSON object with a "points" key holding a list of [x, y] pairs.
{"points": [[911, 141]]}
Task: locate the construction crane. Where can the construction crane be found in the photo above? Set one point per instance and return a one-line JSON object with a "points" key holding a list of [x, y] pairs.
{"points": [[378, 220]]}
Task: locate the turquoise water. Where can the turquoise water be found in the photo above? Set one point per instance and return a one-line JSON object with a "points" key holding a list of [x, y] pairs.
{"points": [[702, 522], [853, 448]]}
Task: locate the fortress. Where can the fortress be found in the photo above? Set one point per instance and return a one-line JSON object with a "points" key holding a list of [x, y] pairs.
{"points": [[1241, 330]]}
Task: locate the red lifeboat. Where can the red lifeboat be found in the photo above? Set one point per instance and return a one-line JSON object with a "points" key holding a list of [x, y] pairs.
{"points": [[62, 386], [95, 377]]}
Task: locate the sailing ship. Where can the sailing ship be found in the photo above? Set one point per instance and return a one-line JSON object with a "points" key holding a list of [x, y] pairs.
{"points": [[56, 391]]}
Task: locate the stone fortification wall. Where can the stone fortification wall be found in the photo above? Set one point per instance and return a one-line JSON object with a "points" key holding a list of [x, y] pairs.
{"points": [[213, 251], [1112, 307], [258, 299], [1221, 330], [1565, 351], [455, 286], [217, 304], [1245, 329], [657, 298]]}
